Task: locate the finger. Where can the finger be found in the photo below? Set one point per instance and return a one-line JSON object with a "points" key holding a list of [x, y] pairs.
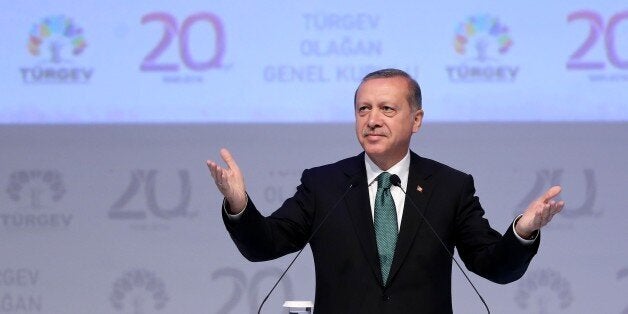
{"points": [[545, 214], [210, 165], [218, 174], [228, 158], [551, 193], [537, 221], [224, 177], [557, 207], [560, 205], [213, 169]]}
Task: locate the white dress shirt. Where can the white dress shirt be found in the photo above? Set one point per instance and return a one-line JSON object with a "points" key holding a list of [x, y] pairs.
{"points": [[401, 169]]}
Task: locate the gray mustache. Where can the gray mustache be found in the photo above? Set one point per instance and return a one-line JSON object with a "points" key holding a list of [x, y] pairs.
{"points": [[367, 132]]}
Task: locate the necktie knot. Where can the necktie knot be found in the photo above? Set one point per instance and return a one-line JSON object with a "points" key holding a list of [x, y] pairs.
{"points": [[383, 181]]}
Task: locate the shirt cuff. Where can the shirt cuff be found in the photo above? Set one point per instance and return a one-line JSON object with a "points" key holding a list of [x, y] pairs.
{"points": [[522, 240], [237, 216]]}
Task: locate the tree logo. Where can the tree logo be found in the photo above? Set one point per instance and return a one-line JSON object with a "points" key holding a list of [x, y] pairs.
{"points": [[33, 192], [483, 33], [56, 34], [56, 41], [35, 188], [486, 38], [544, 291], [139, 289]]}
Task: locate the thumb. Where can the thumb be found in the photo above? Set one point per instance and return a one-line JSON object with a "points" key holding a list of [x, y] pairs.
{"points": [[551, 193], [228, 158]]}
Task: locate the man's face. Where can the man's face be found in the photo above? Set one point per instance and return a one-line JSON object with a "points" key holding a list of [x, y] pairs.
{"points": [[384, 120]]}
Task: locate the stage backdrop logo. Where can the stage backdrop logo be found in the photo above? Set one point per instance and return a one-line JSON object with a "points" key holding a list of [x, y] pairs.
{"points": [[546, 178], [139, 291], [34, 194], [56, 41], [248, 289], [482, 41], [544, 291], [196, 54], [151, 199], [603, 34]]}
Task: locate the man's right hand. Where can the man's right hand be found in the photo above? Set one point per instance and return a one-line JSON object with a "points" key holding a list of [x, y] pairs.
{"points": [[230, 182]]}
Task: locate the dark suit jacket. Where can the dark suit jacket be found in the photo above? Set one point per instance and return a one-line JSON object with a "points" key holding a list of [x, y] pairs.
{"points": [[348, 277]]}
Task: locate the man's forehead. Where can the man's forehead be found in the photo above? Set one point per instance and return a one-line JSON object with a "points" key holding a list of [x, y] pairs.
{"points": [[384, 83]]}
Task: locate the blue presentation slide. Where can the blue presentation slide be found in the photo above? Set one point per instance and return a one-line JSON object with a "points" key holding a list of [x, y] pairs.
{"points": [[293, 62]]}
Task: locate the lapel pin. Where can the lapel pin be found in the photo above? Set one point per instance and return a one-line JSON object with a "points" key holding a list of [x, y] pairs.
{"points": [[419, 188]]}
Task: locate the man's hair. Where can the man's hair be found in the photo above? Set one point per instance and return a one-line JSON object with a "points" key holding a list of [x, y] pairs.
{"points": [[414, 90]]}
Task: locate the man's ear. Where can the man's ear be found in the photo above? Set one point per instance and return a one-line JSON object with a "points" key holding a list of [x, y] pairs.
{"points": [[417, 120]]}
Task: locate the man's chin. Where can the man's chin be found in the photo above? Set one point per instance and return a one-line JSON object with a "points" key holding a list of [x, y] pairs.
{"points": [[374, 152]]}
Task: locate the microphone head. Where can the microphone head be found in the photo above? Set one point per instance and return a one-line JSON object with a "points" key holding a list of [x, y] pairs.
{"points": [[394, 180]]}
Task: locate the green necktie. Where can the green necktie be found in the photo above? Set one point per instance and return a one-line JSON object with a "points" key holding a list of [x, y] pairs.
{"points": [[385, 223]]}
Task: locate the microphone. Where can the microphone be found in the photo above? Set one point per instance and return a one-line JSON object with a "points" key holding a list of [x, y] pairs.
{"points": [[352, 184], [394, 180]]}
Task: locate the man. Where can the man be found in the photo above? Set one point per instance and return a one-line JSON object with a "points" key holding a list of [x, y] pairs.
{"points": [[375, 253]]}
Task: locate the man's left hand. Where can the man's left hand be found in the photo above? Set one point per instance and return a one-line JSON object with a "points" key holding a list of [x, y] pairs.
{"points": [[539, 213]]}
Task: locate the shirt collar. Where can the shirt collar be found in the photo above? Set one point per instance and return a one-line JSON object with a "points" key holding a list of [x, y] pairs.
{"points": [[402, 168]]}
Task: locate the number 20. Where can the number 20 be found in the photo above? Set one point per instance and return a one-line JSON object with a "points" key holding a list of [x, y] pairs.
{"points": [[171, 31], [596, 29]]}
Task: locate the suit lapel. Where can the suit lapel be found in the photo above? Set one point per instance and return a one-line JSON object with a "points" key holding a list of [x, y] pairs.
{"points": [[358, 205], [418, 191]]}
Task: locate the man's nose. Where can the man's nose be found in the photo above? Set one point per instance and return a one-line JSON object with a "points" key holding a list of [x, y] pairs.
{"points": [[374, 119]]}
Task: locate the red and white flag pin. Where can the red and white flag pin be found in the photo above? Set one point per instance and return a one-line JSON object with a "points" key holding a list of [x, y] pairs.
{"points": [[419, 188]]}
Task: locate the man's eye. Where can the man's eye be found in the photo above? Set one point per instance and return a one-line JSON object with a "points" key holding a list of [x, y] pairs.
{"points": [[363, 108]]}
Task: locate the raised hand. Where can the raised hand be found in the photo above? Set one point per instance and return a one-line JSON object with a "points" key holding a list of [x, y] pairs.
{"points": [[539, 213], [230, 181]]}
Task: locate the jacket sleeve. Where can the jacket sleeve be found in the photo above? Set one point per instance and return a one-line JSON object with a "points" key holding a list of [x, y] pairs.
{"points": [[501, 259], [286, 230]]}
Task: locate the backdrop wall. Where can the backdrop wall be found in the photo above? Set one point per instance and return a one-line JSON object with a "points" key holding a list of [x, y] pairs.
{"points": [[126, 219]]}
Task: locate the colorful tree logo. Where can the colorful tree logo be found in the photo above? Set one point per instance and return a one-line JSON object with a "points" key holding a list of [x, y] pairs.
{"points": [[482, 31], [56, 33]]}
